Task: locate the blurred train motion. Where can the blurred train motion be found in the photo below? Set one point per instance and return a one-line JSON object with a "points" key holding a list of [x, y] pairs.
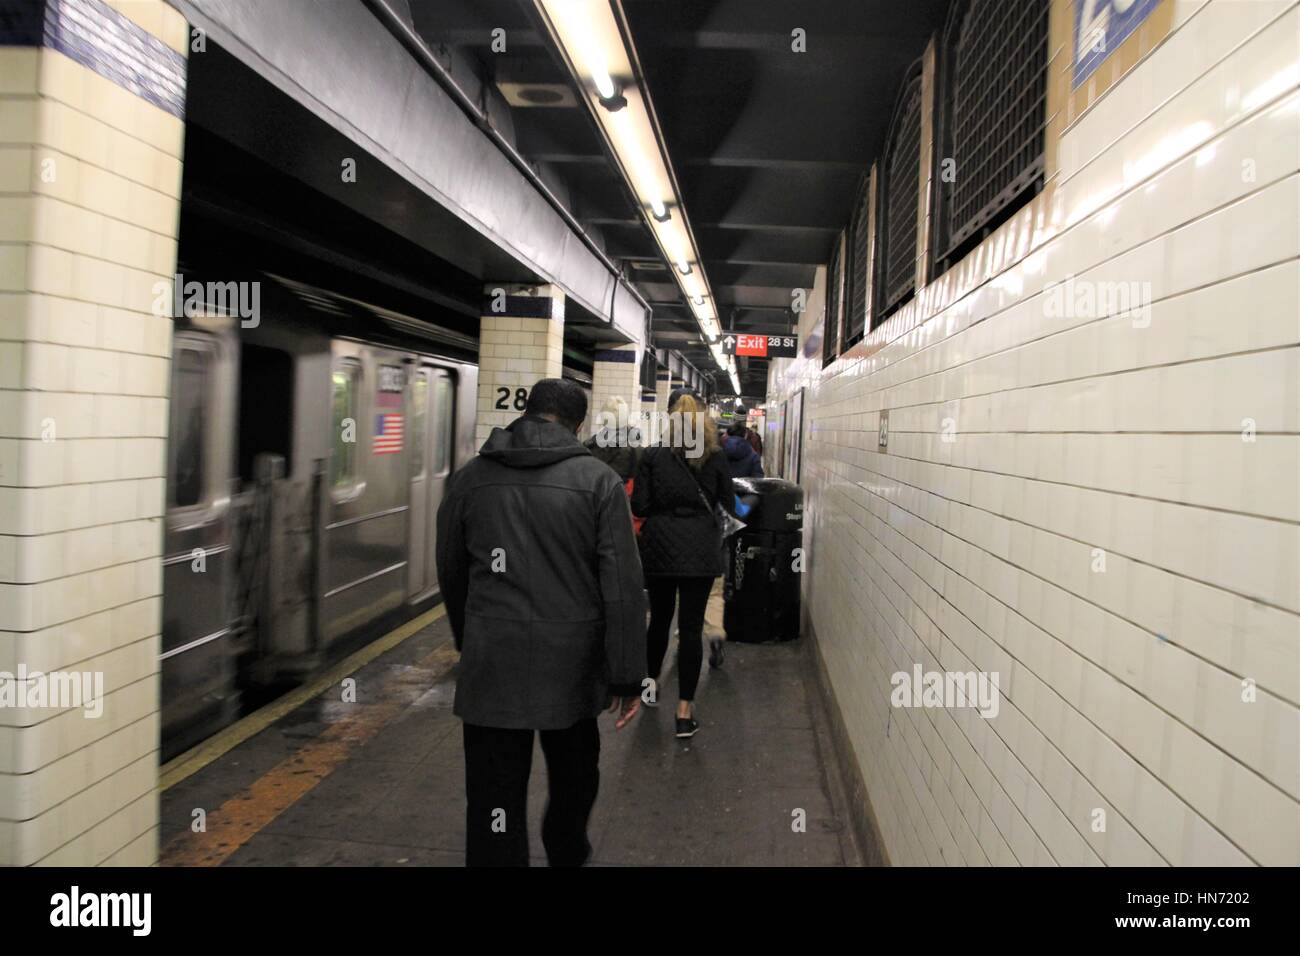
{"points": [[307, 462]]}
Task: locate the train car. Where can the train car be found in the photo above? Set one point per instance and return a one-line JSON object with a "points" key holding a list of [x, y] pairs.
{"points": [[309, 451]]}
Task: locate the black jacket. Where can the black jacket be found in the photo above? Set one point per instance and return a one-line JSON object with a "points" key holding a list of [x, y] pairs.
{"points": [[680, 536], [742, 460], [538, 566], [617, 448]]}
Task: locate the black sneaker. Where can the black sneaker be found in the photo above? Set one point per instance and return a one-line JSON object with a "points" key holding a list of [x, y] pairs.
{"points": [[715, 651], [687, 727]]}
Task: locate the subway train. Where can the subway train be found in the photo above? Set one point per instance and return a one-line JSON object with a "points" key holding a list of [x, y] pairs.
{"points": [[310, 439]]}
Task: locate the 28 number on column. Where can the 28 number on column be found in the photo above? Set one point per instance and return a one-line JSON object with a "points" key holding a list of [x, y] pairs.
{"points": [[503, 398]]}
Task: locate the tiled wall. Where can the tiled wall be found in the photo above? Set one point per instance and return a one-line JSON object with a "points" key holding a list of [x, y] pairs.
{"points": [[90, 177], [1165, 443], [515, 352], [663, 388], [612, 377]]}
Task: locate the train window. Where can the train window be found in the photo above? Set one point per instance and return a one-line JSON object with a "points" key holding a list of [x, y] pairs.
{"points": [[444, 405], [191, 382], [834, 303], [900, 200], [419, 420], [266, 381], [993, 78], [345, 427]]}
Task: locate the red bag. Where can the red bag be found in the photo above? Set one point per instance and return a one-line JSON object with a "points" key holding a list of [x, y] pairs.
{"points": [[636, 522]]}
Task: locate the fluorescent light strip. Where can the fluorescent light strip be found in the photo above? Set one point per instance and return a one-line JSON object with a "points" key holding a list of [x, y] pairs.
{"points": [[589, 36]]}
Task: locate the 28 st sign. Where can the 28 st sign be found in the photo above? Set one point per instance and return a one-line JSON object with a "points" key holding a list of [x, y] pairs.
{"points": [[760, 346]]}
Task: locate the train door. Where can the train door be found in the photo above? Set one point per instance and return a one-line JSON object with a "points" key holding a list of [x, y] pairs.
{"points": [[365, 533], [197, 661], [433, 409]]}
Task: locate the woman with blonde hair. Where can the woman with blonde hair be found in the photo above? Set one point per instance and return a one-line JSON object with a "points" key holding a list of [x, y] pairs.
{"points": [[615, 440], [679, 484]]}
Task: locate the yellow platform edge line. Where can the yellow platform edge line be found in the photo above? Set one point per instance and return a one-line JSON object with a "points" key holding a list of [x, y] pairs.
{"points": [[201, 754]]}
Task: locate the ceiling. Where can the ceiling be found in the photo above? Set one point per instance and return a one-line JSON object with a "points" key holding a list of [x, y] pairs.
{"points": [[767, 144]]}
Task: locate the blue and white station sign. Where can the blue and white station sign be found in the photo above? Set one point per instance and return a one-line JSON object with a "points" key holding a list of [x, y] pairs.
{"points": [[1100, 26]]}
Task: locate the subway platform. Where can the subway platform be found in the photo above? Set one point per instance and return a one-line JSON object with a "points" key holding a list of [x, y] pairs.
{"points": [[377, 779]]}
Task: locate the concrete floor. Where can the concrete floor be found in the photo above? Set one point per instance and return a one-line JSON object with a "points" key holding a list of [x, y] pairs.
{"points": [[380, 781]]}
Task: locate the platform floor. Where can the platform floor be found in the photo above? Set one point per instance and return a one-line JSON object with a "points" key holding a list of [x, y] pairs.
{"points": [[381, 781]]}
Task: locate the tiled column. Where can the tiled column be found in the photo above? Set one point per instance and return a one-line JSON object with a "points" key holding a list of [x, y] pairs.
{"points": [[90, 178], [521, 340], [615, 373], [663, 385], [648, 399]]}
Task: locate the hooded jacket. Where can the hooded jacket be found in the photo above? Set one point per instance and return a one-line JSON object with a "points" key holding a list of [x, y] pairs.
{"points": [[539, 569], [741, 457]]}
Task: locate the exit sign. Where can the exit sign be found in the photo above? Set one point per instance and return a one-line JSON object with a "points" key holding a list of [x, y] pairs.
{"points": [[760, 346]]}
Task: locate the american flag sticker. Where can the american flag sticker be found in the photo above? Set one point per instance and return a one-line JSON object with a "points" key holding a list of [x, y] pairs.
{"points": [[388, 433]]}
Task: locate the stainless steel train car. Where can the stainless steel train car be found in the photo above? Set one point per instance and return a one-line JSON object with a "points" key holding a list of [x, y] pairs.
{"points": [[309, 450]]}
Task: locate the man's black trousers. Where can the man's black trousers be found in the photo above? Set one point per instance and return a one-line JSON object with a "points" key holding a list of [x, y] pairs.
{"points": [[497, 765]]}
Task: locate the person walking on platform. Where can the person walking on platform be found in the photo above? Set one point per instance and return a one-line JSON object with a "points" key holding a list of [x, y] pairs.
{"points": [[617, 442], [539, 570], [742, 460], [677, 489], [750, 435]]}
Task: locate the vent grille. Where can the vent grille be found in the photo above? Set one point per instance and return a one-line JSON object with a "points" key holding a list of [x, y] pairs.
{"points": [[902, 198], [997, 107], [859, 242], [834, 302]]}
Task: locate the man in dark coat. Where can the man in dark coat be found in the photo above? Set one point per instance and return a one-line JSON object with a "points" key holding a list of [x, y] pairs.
{"points": [[539, 569], [741, 457], [750, 435]]}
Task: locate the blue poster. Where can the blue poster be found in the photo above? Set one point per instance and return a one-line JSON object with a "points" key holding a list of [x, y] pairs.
{"points": [[1100, 26]]}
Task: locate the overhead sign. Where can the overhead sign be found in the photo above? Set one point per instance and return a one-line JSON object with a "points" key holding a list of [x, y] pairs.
{"points": [[760, 346], [1100, 26]]}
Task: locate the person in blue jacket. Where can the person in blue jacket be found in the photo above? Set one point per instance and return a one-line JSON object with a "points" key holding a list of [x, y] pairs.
{"points": [[741, 457]]}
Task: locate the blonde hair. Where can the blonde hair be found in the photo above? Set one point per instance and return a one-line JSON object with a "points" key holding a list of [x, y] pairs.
{"points": [[706, 432], [615, 410]]}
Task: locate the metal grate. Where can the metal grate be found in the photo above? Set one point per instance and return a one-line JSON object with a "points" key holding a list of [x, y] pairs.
{"points": [[834, 300], [859, 237], [997, 99], [901, 198]]}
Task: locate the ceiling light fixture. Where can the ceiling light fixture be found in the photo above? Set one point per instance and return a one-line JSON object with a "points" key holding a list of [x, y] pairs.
{"points": [[614, 103], [604, 83], [611, 96], [589, 37]]}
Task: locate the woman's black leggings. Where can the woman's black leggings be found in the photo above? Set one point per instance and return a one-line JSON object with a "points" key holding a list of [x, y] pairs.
{"points": [[690, 624]]}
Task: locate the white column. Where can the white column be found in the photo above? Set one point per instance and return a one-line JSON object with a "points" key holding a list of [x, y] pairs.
{"points": [[521, 340], [615, 373], [92, 181]]}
